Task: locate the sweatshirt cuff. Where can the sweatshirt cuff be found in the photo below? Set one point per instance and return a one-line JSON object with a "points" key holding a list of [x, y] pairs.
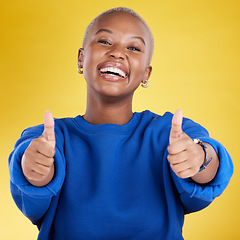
{"points": [[208, 192], [18, 179]]}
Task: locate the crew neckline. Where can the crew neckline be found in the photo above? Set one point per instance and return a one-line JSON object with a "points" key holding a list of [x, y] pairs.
{"points": [[109, 127]]}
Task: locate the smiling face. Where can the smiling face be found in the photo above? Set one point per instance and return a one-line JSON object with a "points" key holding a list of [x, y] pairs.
{"points": [[116, 55]]}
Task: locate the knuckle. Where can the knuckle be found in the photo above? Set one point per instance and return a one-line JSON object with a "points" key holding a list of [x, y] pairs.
{"points": [[31, 175], [51, 151], [27, 160], [27, 154], [34, 145], [39, 177], [34, 142], [178, 174], [170, 159], [182, 174], [45, 171], [51, 161], [174, 168], [47, 162], [42, 171], [169, 148]]}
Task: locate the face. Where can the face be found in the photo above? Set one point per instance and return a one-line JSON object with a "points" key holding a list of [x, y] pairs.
{"points": [[115, 58]]}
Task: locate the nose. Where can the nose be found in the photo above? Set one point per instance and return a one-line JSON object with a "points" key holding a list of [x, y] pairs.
{"points": [[117, 52]]}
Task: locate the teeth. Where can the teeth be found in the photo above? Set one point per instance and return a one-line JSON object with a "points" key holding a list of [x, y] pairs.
{"points": [[113, 70]]}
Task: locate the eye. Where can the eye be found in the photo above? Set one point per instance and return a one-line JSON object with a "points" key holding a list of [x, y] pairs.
{"points": [[134, 49], [104, 42]]}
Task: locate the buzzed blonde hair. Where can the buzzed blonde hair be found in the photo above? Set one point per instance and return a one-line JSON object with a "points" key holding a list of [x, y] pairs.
{"points": [[114, 10]]}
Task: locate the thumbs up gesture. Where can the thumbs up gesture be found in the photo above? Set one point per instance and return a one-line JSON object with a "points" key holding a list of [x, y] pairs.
{"points": [[37, 161], [185, 156]]}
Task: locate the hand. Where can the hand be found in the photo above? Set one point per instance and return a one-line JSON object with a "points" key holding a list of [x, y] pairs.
{"points": [[185, 156], [37, 161]]}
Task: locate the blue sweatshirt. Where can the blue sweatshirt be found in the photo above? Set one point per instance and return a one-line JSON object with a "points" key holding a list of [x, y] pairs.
{"points": [[114, 181]]}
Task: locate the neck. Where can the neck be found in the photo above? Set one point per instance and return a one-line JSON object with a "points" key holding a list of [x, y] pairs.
{"points": [[108, 110]]}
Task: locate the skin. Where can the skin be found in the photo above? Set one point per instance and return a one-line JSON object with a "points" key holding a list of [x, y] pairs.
{"points": [[186, 157], [116, 38], [37, 161], [120, 40]]}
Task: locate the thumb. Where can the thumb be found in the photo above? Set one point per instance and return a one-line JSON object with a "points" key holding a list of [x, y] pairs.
{"points": [[176, 129], [48, 132]]}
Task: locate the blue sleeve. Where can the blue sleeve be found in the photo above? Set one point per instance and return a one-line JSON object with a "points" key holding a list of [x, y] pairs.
{"points": [[196, 196], [33, 201]]}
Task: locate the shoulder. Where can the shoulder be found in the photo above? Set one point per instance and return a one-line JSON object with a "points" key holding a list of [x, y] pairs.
{"points": [[62, 126], [62, 123], [154, 124], [164, 122], [148, 116]]}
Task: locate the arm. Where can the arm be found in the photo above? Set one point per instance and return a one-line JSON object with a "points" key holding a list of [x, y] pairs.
{"points": [[186, 157], [207, 174], [196, 189], [37, 161], [32, 196]]}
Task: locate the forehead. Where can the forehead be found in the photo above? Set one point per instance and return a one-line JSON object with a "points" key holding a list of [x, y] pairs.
{"points": [[124, 23]]}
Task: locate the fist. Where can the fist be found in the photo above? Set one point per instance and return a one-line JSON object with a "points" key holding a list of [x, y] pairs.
{"points": [[185, 156], [37, 161]]}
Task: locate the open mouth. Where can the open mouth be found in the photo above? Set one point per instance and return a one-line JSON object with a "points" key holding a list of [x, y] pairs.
{"points": [[113, 71]]}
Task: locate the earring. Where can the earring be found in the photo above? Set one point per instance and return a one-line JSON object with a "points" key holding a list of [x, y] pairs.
{"points": [[80, 70], [145, 84]]}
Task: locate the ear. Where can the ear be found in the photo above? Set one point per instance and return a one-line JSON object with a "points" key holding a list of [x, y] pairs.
{"points": [[80, 57], [147, 73]]}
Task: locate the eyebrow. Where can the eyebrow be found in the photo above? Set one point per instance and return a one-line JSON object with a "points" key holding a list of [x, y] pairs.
{"points": [[103, 30], [109, 31], [139, 38]]}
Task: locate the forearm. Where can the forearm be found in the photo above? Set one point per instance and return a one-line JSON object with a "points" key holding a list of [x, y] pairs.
{"points": [[210, 171]]}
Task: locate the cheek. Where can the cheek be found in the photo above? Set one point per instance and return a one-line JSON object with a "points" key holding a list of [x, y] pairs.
{"points": [[92, 56], [88, 59], [138, 67], [88, 65]]}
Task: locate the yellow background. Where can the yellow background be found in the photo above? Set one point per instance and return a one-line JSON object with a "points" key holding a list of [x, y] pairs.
{"points": [[195, 68]]}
